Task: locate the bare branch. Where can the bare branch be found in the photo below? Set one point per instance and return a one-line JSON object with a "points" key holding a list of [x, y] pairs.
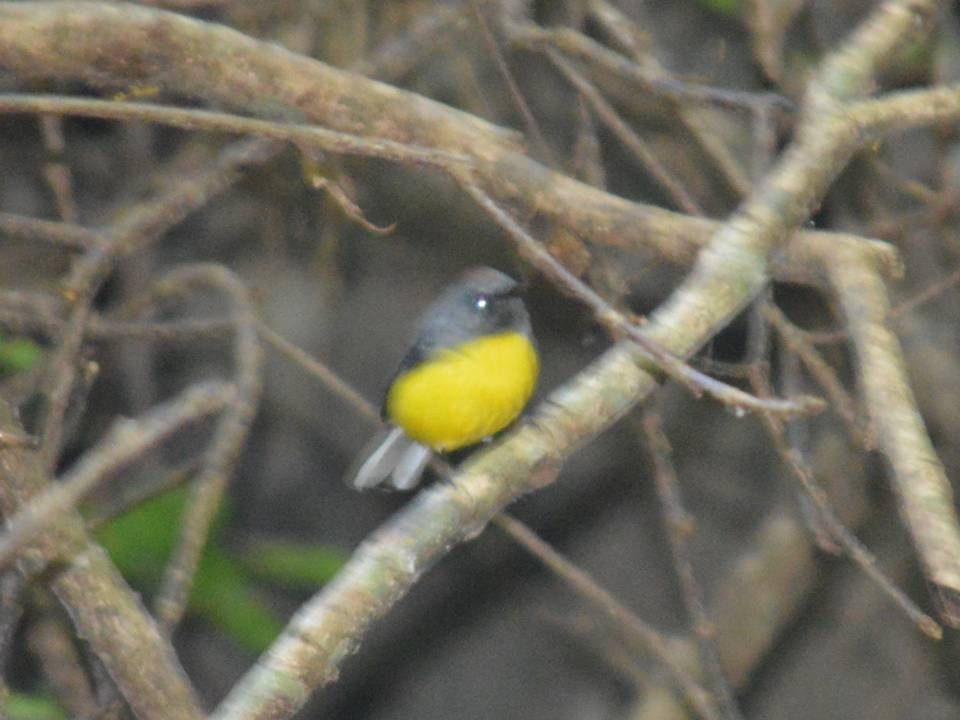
{"points": [[102, 607], [907, 109], [143, 225], [64, 234], [307, 136], [838, 532], [675, 368], [194, 58], [679, 528], [231, 432], [925, 494], [125, 443], [187, 58]]}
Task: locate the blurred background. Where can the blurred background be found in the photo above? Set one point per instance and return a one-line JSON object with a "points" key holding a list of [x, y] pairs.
{"points": [[490, 633]]}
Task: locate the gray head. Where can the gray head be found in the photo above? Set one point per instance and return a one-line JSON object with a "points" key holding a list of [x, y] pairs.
{"points": [[482, 301]]}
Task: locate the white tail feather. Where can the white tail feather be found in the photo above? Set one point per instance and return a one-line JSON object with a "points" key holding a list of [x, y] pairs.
{"points": [[381, 455], [406, 474], [390, 454]]}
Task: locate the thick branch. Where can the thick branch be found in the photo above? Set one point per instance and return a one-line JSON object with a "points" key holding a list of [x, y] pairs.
{"points": [[120, 45], [926, 498], [727, 275], [106, 613], [190, 57], [203, 60], [126, 442], [900, 111]]}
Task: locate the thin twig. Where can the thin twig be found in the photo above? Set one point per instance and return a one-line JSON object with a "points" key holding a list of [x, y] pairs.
{"points": [[587, 588], [145, 224], [309, 136], [589, 631], [759, 350], [797, 436], [635, 44], [126, 442], [396, 57], [219, 459], [910, 187], [66, 235], [533, 127], [840, 400], [55, 171], [575, 44], [926, 295], [26, 317], [679, 528], [675, 368], [586, 157], [130, 496], [318, 370], [847, 540], [630, 139]]}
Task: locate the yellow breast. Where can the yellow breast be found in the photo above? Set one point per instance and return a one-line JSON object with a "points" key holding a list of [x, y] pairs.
{"points": [[465, 393]]}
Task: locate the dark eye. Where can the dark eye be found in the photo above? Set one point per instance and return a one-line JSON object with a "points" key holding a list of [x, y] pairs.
{"points": [[481, 302]]}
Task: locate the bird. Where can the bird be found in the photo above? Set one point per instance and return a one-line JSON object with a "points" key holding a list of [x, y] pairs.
{"points": [[468, 374]]}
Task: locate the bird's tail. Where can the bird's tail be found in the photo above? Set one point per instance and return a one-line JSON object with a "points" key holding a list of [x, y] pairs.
{"points": [[390, 454]]}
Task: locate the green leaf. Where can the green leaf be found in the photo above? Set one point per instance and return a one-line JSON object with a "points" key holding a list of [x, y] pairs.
{"points": [[723, 7], [225, 596], [295, 565], [18, 355], [140, 543], [19, 706]]}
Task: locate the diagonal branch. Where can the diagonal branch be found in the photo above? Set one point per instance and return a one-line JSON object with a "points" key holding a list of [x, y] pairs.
{"points": [[924, 491], [194, 58], [105, 611], [125, 443], [578, 580], [208, 488], [729, 272], [692, 379], [186, 56]]}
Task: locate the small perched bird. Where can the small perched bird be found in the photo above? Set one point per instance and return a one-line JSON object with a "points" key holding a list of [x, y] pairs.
{"points": [[468, 374]]}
